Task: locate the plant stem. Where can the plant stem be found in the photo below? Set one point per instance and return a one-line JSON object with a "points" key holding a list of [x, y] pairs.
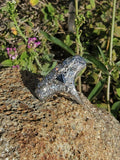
{"points": [[78, 43], [38, 63], [79, 48], [110, 54], [108, 93], [13, 17], [77, 27], [18, 28]]}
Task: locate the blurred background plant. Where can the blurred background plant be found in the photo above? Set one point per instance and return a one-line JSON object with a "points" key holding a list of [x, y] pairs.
{"points": [[46, 22], [18, 35]]}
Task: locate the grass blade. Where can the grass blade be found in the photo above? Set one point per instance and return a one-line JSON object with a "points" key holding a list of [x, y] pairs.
{"points": [[58, 42], [102, 54], [97, 89], [99, 64]]}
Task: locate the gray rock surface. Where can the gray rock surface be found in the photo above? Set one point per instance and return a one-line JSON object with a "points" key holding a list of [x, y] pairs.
{"points": [[59, 129]]}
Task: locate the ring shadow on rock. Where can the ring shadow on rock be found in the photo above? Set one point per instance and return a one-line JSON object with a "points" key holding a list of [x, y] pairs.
{"points": [[30, 80]]}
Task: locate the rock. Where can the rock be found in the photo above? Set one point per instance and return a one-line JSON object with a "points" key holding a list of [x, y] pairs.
{"points": [[59, 129]]}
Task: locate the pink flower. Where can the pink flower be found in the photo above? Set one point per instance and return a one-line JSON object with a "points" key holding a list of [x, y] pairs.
{"points": [[17, 66], [13, 57], [32, 43], [12, 53]]}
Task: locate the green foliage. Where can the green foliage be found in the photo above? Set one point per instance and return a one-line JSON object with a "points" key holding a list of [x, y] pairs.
{"points": [[51, 17], [97, 89], [47, 68], [28, 59], [115, 109], [68, 41], [118, 91], [98, 64], [58, 42], [92, 3], [34, 2], [49, 12], [7, 62]]}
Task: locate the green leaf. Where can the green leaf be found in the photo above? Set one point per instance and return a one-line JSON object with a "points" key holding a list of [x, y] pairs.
{"points": [[7, 62], [118, 63], [33, 2], [58, 42], [47, 57], [24, 55], [97, 89], [102, 54], [21, 48], [115, 108], [92, 2], [68, 41], [32, 67], [117, 31], [88, 6], [23, 63], [102, 105], [49, 12], [118, 91], [99, 64], [51, 8], [5, 8], [47, 68]]}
